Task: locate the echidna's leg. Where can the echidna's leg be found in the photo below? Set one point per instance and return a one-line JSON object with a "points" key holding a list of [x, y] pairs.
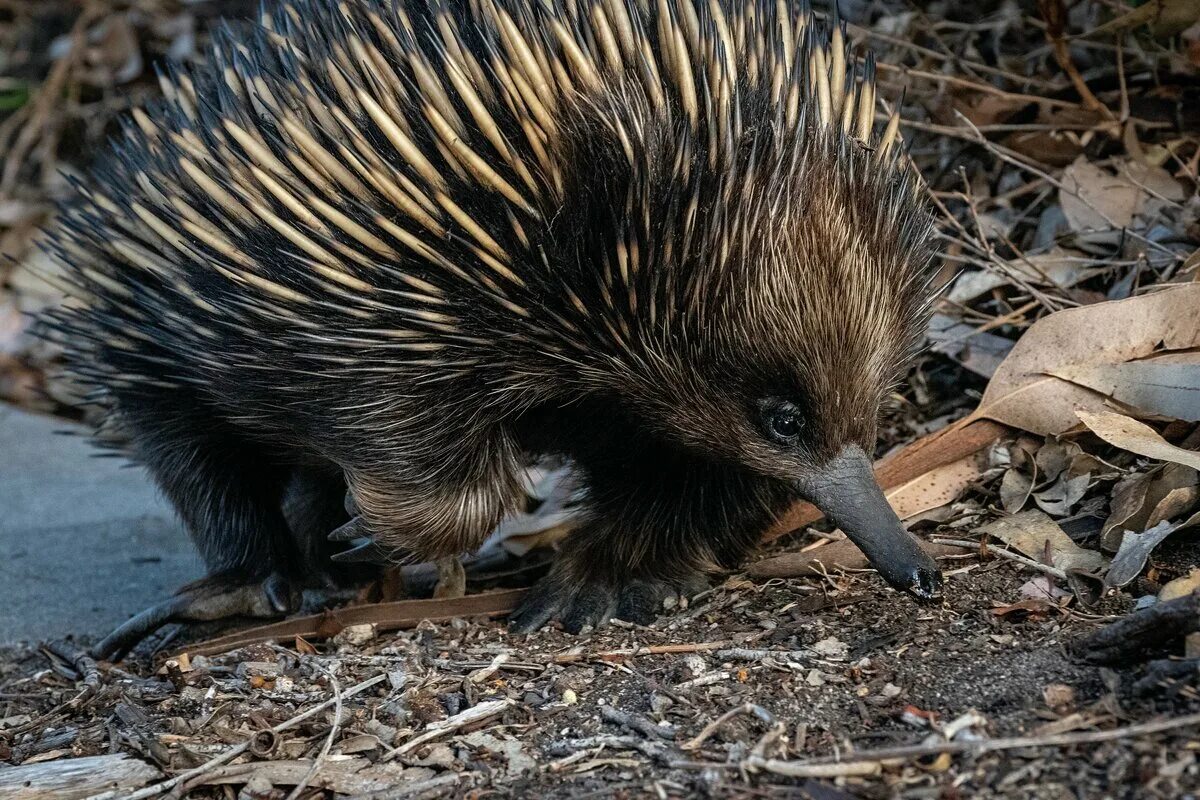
{"points": [[593, 580], [411, 510], [315, 503], [229, 496]]}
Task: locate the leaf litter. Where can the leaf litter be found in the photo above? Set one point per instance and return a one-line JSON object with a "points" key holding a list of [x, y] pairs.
{"points": [[1044, 446]]}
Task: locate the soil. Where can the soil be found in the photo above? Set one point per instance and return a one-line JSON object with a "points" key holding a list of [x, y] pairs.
{"points": [[850, 665]]}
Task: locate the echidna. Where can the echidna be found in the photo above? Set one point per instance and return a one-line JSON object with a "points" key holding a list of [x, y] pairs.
{"points": [[403, 246]]}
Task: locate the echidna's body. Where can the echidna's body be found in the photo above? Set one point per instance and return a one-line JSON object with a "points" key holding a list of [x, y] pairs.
{"points": [[412, 243]]}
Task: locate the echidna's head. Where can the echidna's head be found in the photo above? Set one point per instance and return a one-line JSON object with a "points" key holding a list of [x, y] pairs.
{"points": [[777, 299]]}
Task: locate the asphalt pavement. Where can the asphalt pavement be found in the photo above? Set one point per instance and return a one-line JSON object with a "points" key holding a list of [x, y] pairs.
{"points": [[85, 541]]}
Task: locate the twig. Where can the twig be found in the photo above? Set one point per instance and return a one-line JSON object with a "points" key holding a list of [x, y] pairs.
{"points": [[1020, 559], [80, 661], [1007, 156], [711, 728], [414, 790], [636, 723], [703, 680], [237, 750], [333, 732], [747, 654], [573, 747], [792, 769], [632, 652], [1135, 637], [1055, 14], [976, 747], [460, 720]]}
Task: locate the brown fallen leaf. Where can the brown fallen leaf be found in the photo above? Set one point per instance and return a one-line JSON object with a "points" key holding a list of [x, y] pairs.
{"points": [[1030, 606], [1038, 536], [1025, 393], [1136, 437], [1143, 500]]}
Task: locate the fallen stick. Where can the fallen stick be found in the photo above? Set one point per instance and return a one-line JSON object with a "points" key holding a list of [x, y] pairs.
{"points": [[821, 767], [384, 616], [460, 720], [819, 561], [73, 778]]}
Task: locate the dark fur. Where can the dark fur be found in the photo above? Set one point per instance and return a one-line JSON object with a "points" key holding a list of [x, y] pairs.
{"points": [[800, 272]]}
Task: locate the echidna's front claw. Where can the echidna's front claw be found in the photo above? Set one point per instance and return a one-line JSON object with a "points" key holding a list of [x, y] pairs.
{"points": [[580, 604], [354, 529], [366, 551], [365, 548]]}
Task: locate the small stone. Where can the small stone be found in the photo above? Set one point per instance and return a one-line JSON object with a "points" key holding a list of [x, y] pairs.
{"points": [[814, 678], [262, 669], [355, 635], [1059, 697], [890, 690], [691, 666], [831, 647], [569, 697]]}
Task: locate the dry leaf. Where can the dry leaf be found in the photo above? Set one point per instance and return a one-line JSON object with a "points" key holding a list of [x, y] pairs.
{"points": [[1024, 392], [980, 352], [1136, 437], [937, 487], [1140, 501], [1132, 554], [1063, 494], [1167, 386], [1059, 267], [1180, 587], [1015, 489], [1093, 198], [1037, 536]]}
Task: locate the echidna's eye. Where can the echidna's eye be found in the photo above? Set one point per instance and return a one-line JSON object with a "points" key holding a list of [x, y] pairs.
{"points": [[783, 421]]}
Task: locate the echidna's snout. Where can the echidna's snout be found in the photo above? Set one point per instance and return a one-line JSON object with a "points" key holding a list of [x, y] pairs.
{"points": [[846, 491]]}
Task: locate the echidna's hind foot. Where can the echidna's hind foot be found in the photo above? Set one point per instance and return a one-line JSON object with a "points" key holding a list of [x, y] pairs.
{"points": [[579, 601], [212, 598]]}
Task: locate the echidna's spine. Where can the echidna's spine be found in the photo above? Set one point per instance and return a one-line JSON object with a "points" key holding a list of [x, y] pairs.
{"points": [[356, 181]]}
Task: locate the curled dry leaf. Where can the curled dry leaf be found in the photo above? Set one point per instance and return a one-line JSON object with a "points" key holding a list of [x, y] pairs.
{"points": [[1025, 392], [1136, 437], [1131, 556], [1059, 267], [1039, 537], [1142, 500]]}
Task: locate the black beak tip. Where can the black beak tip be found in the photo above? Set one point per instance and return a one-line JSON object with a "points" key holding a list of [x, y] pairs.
{"points": [[925, 584]]}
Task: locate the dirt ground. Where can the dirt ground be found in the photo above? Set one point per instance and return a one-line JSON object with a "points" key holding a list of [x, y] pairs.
{"points": [[818, 668]]}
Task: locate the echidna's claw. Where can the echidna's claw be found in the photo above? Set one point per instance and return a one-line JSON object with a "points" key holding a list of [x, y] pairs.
{"points": [[212, 598], [367, 551], [354, 529], [593, 603]]}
